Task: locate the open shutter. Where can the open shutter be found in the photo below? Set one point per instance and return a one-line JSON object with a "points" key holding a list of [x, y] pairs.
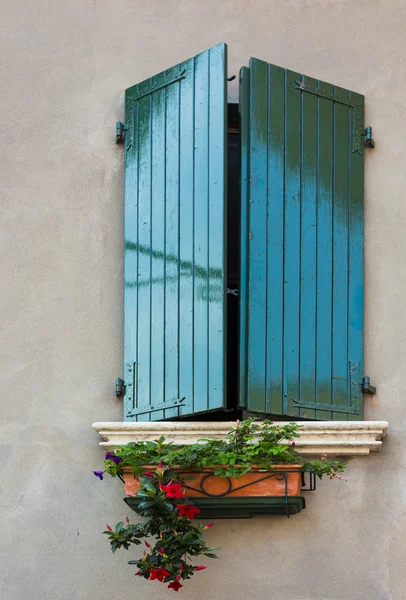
{"points": [[302, 245], [175, 191]]}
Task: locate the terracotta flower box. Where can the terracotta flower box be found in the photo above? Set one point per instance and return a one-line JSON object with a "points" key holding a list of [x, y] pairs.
{"points": [[281, 480]]}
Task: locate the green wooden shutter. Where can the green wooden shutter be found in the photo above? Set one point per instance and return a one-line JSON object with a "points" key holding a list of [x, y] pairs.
{"points": [[175, 191], [302, 245]]}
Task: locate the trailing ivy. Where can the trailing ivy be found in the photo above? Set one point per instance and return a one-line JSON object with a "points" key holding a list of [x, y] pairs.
{"points": [[250, 443], [168, 522], [168, 514]]}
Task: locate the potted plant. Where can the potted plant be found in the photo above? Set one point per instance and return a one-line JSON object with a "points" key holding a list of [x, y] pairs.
{"points": [[254, 460]]}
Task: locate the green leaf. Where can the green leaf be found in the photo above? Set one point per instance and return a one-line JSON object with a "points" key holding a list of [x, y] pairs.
{"points": [[119, 526]]}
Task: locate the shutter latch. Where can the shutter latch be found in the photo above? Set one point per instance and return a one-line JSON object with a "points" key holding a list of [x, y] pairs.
{"points": [[369, 140], [120, 130], [120, 387], [367, 388]]}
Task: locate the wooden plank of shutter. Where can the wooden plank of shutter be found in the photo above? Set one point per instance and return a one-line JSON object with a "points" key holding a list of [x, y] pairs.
{"points": [[302, 245], [175, 194]]}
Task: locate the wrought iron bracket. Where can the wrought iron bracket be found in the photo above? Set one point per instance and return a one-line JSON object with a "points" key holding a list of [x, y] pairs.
{"points": [[120, 387], [367, 388], [307, 486]]}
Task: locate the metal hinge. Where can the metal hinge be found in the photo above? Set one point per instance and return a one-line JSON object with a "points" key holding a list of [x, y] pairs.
{"points": [[367, 388], [369, 140], [142, 410], [120, 387], [120, 132]]}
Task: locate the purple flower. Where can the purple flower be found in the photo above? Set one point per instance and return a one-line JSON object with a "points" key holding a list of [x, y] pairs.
{"points": [[98, 474], [116, 459]]}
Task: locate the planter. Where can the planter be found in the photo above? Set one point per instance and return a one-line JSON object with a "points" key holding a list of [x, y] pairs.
{"points": [[282, 480]]}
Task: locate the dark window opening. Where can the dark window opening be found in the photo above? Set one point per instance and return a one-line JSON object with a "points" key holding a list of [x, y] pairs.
{"points": [[232, 411], [233, 274], [233, 255]]}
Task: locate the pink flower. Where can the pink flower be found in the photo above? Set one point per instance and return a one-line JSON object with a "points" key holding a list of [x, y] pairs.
{"points": [[200, 568], [109, 528], [188, 511], [208, 526], [147, 545], [159, 574], [173, 490], [175, 585], [149, 474], [127, 520]]}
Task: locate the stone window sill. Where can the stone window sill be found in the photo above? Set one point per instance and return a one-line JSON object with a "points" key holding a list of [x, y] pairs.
{"points": [[334, 438]]}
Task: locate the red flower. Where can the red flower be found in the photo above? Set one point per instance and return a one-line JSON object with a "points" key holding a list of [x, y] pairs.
{"points": [[138, 573], [127, 520], [173, 490], [200, 568], [208, 526], [188, 511], [159, 574], [109, 528], [161, 550], [175, 585], [149, 474], [147, 545]]}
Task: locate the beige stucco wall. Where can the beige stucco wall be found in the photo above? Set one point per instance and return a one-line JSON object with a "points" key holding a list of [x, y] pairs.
{"points": [[64, 66]]}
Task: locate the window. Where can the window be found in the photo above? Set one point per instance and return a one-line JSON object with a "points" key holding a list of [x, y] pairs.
{"points": [[285, 230]]}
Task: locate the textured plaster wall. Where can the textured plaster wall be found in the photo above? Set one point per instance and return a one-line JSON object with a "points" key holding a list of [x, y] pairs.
{"points": [[64, 66]]}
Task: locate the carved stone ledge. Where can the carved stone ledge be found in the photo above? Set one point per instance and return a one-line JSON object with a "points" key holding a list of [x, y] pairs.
{"points": [[334, 438]]}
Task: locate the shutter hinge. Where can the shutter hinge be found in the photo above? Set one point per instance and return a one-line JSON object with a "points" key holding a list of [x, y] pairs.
{"points": [[369, 140], [120, 387], [120, 132], [367, 388], [149, 408]]}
